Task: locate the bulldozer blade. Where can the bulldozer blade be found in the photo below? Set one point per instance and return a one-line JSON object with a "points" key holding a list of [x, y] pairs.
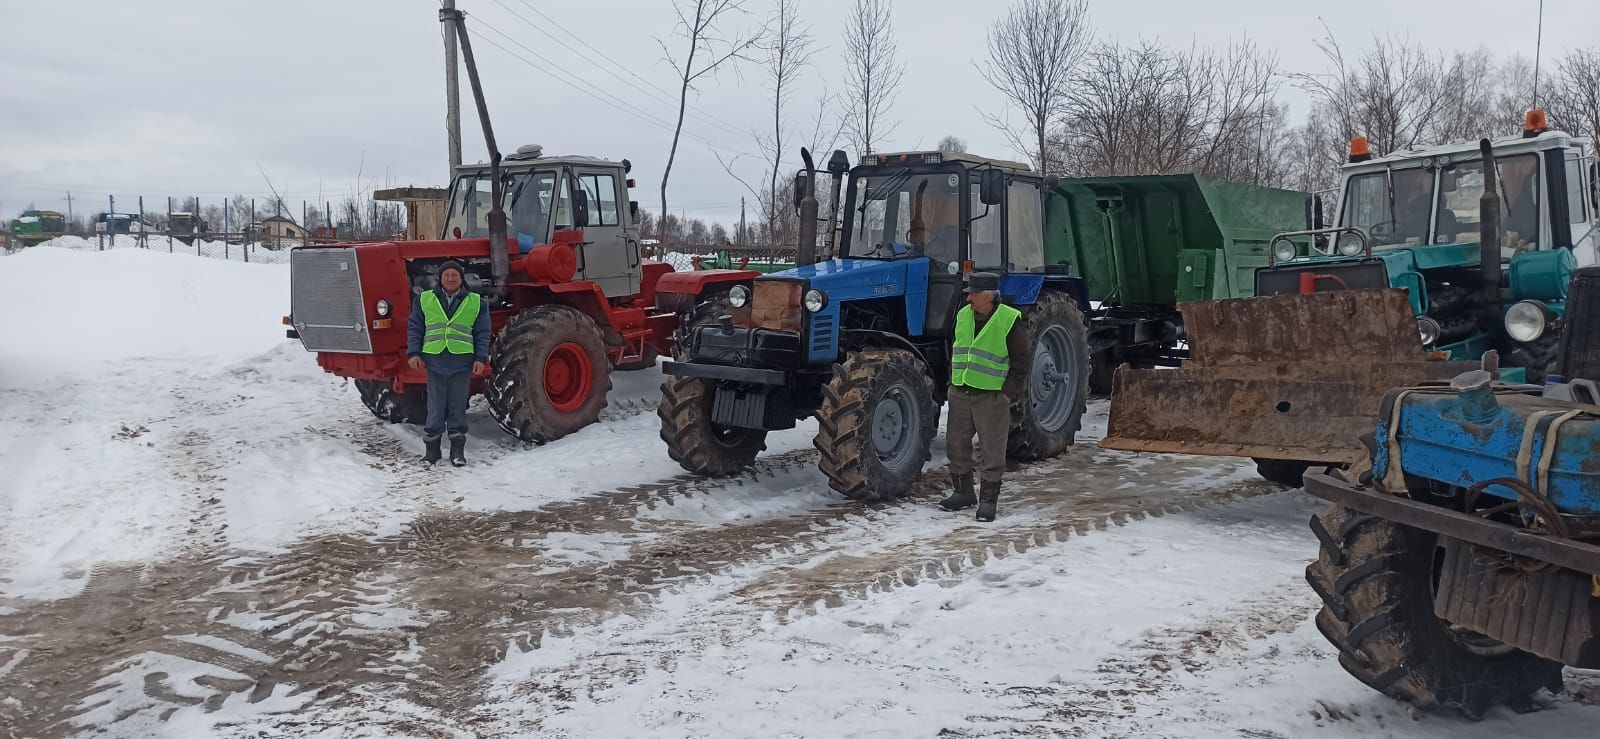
{"points": [[1288, 377], [1290, 417]]}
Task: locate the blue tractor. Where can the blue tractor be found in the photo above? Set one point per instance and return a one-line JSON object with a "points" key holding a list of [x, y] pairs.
{"points": [[1463, 570], [862, 341]]}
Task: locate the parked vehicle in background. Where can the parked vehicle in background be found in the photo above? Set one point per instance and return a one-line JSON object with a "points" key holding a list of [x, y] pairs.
{"points": [[36, 226], [1431, 261]]}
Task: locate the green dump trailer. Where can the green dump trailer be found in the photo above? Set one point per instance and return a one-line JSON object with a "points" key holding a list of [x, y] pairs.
{"points": [[1147, 243], [37, 226]]}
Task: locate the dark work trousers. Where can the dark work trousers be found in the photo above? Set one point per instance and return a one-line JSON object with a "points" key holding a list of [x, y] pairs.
{"points": [[986, 413], [448, 393]]}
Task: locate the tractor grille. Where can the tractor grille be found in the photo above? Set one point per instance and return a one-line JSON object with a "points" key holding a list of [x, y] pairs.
{"points": [[326, 302], [776, 305], [1580, 336]]}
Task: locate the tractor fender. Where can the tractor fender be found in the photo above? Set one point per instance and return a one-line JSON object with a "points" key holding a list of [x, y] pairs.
{"points": [[1074, 287], [856, 338], [681, 291]]}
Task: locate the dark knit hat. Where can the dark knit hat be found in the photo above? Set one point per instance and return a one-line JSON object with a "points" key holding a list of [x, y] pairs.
{"points": [[452, 264]]}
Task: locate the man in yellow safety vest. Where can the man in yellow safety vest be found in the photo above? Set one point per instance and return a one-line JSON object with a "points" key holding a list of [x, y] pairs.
{"points": [[448, 333], [989, 364]]}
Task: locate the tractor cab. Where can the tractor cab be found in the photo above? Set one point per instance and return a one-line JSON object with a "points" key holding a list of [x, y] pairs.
{"points": [[546, 197], [957, 210]]}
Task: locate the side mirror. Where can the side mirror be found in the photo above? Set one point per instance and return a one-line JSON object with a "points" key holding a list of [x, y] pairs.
{"points": [[633, 211], [1313, 212], [580, 208], [802, 186], [992, 188]]}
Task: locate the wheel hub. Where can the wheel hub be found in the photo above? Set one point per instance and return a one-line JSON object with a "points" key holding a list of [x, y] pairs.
{"points": [[895, 419], [568, 377], [1049, 388]]}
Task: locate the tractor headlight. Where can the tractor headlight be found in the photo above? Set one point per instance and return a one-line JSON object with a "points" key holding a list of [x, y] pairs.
{"points": [[1527, 320], [1283, 250], [739, 296], [1350, 244], [1429, 330], [816, 300], [382, 307]]}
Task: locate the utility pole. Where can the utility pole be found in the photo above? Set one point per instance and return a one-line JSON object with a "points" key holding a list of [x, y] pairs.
{"points": [[70, 224], [741, 220], [452, 85]]}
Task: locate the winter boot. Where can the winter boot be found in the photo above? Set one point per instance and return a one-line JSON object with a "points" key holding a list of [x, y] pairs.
{"points": [[458, 451], [431, 456], [988, 499], [962, 497]]}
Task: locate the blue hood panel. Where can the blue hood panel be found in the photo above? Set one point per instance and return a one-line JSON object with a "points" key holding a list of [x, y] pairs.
{"points": [[849, 280]]}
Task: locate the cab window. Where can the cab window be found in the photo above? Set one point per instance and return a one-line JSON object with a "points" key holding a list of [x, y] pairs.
{"points": [[602, 190], [984, 232], [1024, 227]]}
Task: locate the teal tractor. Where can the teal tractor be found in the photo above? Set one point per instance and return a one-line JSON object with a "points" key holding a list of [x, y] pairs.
{"points": [[1435, 256], [862, 342], [1463, 570]]}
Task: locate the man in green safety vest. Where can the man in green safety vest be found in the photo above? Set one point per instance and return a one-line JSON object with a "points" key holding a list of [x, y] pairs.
{"points": [[989, 365], [448, 333]]}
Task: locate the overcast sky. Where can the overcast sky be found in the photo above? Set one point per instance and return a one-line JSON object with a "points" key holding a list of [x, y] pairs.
{"points": [[169, 97]]}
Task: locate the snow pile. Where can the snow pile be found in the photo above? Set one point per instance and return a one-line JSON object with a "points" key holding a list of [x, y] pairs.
{"points": [[253, 253], [108, 386]]}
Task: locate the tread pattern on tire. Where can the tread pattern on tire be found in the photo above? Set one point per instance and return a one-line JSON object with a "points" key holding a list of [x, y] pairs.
{"points": [[844, 422], [523, 411], [392, 407], [685, 413], [1374, 578], [1027, 442]]}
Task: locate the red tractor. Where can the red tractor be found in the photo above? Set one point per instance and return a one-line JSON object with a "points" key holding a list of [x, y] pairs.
{"points": [[570, 297]]}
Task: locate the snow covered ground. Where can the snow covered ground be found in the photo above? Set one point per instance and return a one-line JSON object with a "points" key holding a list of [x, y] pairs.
{"points": [[202, 534], [253, 253]]}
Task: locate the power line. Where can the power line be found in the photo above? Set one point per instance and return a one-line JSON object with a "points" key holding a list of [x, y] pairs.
{"points": [[602, 97], [604, 64]]}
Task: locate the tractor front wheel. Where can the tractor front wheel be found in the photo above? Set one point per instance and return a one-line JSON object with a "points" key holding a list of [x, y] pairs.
{"points": [[379, 397], [1376, 579], [876, 424], [550, 374], [1046, 416], [693, 441]]}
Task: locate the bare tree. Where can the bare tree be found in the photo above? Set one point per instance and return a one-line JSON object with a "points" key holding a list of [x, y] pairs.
{"points": [[788, 52], [872, 73], [1033, 52], [1393, 93], [952, 145], [1573, 98], [1147, 109], [706, 49]]}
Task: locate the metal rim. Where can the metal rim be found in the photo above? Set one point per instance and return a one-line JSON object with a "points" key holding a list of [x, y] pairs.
{"points": [[1049, 384], [568, 377], [895, 420]]}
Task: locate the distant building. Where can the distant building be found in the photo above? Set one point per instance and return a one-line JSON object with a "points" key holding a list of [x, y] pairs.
{"points": [[281, 227]]}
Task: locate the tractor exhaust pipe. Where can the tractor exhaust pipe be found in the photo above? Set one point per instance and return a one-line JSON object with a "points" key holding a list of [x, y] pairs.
{"points": [[839, 167], [1489, 232], [806, 183], [499, 257]]}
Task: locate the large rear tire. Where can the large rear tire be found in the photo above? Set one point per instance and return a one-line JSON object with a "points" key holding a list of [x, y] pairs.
{"points": [[876, 424], [379, 397], [550, 374], [1376, 581], [1046, 418], [693, 441]]}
